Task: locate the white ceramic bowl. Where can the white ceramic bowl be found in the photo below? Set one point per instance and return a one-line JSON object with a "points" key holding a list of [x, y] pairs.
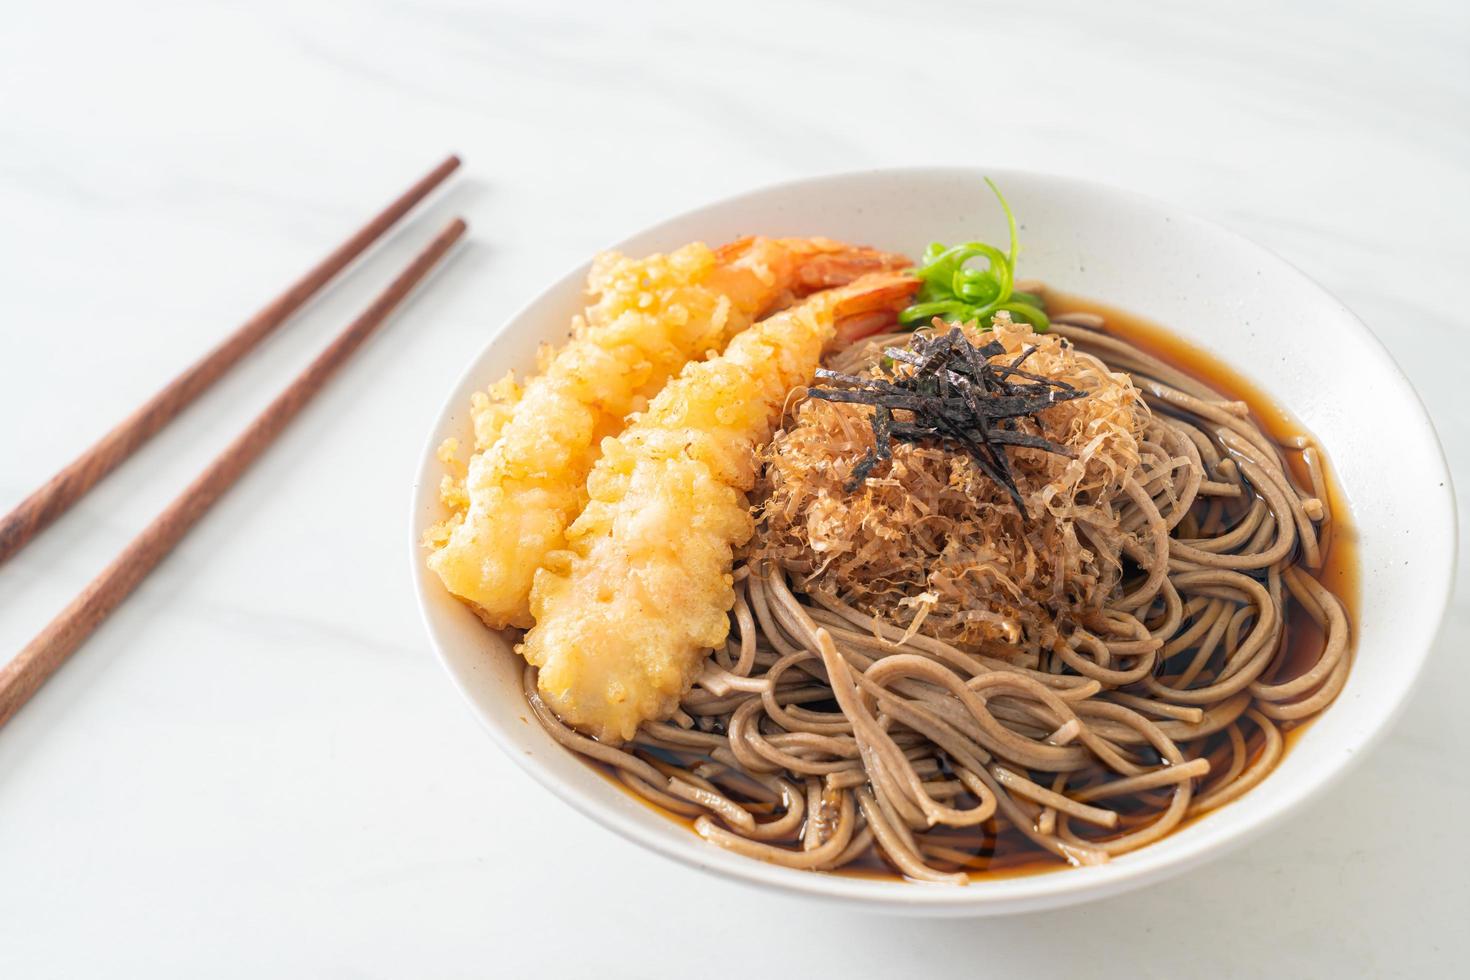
{"points": [[1216, 289]]}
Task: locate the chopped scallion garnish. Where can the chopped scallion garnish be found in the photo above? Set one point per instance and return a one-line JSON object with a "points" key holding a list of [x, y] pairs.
{"points": [[959, 294]]}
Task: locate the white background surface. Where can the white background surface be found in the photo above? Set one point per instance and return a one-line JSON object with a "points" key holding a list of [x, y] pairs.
{"points": [[256, 768]]}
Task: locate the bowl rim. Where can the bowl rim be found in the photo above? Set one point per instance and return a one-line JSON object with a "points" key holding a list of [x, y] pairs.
{"points": [[1005, 895]]}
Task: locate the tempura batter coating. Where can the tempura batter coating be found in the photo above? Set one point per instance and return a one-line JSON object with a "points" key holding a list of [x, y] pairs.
{"points": [[535, 446], [626, 615]]}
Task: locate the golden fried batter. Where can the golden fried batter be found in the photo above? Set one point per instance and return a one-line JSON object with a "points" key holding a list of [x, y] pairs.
{"points": [[535, 446], [626, 614]]}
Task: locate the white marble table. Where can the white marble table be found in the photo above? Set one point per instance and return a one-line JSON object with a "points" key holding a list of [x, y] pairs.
{"points": [[256, 768]]}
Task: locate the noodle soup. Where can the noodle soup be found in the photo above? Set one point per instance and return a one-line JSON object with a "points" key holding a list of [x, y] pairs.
{"points": [[1079, 811], [872, 568]]}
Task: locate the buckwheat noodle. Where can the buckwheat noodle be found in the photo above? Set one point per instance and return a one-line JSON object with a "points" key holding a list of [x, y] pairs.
{"points": [[821, 737]]}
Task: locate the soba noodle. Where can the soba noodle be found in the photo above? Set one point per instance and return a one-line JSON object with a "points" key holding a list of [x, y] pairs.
{"points": [[822, 737]]}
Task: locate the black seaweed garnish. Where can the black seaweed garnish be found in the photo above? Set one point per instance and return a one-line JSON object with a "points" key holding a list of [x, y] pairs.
{"points": [[951, 395]]}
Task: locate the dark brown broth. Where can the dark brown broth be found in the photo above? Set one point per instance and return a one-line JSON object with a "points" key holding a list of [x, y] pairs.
{"points": [[1010, 853]]}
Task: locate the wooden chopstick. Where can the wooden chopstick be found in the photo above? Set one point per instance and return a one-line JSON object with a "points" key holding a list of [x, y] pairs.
{"points": [[57, 495], [20, 678]]}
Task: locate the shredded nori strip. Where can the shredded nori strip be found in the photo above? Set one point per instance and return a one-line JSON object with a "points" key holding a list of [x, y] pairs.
{"points": [[996, 406], [955, 397]]}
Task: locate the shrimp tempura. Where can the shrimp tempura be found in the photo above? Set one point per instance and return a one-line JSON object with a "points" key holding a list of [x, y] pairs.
{"points": [[626, 615], [535, 446]]}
